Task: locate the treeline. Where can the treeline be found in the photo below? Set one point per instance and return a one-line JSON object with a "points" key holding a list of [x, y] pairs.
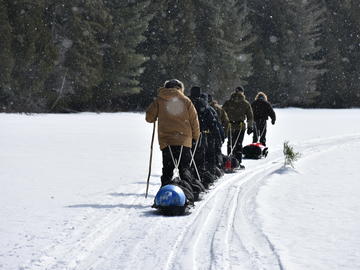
{"points": [[111, 55]]}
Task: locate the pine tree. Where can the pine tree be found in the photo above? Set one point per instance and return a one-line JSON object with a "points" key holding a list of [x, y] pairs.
{"points": [[220, 59], [350, 43], [78, 31], [300, 67], [333, 81], [271, 22], [7, 59], [236, 41], [123, 63], [200, 42], [33, 54], [169, 46]]}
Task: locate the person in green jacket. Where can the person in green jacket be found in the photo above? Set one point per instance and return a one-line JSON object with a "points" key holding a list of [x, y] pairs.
{"points": [[238, 110]]}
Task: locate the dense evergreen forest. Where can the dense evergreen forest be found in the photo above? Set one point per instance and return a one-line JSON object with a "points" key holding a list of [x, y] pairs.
{"points": [[112, 55]]}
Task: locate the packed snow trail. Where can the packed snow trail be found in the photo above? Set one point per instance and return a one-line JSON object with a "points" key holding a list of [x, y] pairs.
{"points": [[221, 232]]}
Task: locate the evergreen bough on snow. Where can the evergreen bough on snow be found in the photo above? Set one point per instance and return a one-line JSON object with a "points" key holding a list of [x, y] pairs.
{"points": [[290, 155]]}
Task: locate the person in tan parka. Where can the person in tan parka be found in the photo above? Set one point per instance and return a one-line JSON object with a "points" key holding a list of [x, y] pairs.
{"points": [[238, 110], [178, 126]]}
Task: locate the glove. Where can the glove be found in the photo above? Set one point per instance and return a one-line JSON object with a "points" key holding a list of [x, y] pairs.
{"points": [[249, 130], [273, 121]]}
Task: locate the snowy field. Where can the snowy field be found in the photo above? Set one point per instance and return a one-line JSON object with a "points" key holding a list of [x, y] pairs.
{"points": [[72, 197]]}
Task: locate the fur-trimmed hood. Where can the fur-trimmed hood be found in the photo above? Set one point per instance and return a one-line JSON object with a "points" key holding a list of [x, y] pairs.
{"points": [[237, 96], [168, 93]]}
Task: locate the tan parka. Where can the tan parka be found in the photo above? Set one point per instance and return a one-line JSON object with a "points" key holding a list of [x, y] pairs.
{"points": [[238, 110], [178, 122]]}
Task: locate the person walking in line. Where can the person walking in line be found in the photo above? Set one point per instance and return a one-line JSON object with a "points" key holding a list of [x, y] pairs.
{"points": [[238, 110], [208, 126], [178, 126], [223, 117], [262, 110], [223, 121], [215, 138]]}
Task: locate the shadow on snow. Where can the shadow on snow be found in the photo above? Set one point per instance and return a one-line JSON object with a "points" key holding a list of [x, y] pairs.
{"points": [[108, 206], [121, 194]]}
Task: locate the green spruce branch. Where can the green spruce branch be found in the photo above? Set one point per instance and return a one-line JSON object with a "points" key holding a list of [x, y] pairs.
{"points": [[290, 155]]}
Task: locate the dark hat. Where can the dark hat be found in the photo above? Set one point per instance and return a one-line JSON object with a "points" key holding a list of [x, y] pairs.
{"points": [[174, 83], [195, 92], [204, 97], [240, 88]]}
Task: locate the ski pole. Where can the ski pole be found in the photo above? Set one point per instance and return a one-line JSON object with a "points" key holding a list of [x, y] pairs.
{"points": [[151, 152]]}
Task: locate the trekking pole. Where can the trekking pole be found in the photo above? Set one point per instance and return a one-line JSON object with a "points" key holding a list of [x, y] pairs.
{"points": [[151, 152]]}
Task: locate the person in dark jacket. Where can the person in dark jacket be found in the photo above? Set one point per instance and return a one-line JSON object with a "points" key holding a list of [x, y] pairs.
{"points": [[262, 110], [215, 138], [223, 120], [208, 126], [238, 110]]}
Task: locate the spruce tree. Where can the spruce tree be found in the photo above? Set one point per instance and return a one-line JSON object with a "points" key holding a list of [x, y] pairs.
{"points": [[33, 54], [333, 81], [122, 61], [79, 29], [236, 41], [220, 59], [199, 42], [169, 46], [301, 64], [340, 84], [7, 59], [267, 19], [350, 42]]}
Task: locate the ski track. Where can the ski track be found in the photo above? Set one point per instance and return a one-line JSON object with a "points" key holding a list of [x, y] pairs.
{"points": [[231, 236]]}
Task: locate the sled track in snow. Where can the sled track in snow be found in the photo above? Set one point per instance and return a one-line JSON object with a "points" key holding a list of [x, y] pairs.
{"points": [[213, 227], [231, 236], [127, 234]]}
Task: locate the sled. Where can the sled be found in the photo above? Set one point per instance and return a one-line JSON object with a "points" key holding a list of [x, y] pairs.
{"points": [[170, 200], [255, 151], [231, 164]]}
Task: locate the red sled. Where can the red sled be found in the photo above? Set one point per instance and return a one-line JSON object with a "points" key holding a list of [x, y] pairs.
{"points": [[255, 151], [231, 164]]}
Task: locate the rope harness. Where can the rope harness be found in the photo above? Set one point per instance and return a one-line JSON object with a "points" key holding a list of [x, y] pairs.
{"points": [[193, 157], [257, 132], [176, 161], [232, 147]]}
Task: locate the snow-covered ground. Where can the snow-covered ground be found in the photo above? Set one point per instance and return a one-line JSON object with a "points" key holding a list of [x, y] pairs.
{"points": [[72, 197]]}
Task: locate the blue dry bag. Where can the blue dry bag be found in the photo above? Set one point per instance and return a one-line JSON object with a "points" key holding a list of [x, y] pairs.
{"points": [[170, 195]]}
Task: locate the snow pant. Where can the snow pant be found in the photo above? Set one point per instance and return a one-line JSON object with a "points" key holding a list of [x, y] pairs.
{"points": [[169, 166], [238, 147], [260, 131]]}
